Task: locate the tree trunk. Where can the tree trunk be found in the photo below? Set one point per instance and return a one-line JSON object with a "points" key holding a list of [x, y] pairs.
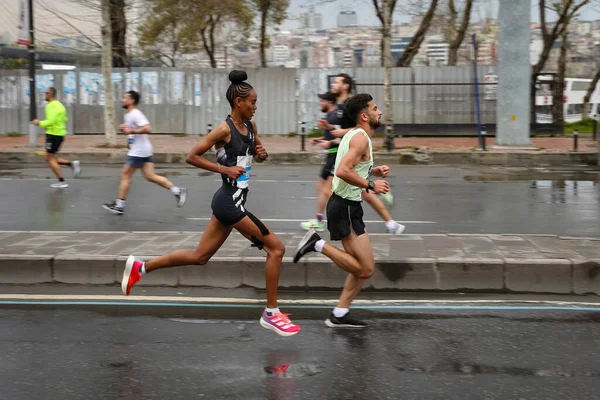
{"points": [[415, 43], [209, 46], [558, 102], [109, 96], [119, 33], [453, 54], [263, 37], [537, 68], [387, 72], [454, 45], [588, 94]]}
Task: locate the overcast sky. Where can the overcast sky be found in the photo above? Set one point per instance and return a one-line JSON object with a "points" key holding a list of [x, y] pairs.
{"points": [[366, 13]]}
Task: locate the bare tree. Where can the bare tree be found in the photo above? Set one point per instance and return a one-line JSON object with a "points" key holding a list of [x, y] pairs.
{"points": [[385, 12], [270, 11], [119, 33], [109, 95], [91, 11], [415, 43], [455, 34], [566, 11], [558, 114]]}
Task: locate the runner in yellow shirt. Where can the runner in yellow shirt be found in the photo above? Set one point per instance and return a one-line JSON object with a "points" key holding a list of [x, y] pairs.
{"points": [[56, 129]]}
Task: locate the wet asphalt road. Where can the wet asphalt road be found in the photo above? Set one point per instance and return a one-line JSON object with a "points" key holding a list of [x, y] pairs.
{"points": [[431, 199], [411, 354]]}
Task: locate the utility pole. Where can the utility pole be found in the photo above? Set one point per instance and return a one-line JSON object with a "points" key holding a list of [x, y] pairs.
{"points": [[32, 102]]}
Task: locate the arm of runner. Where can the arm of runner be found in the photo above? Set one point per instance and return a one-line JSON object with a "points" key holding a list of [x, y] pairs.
{"points": [[142, 130], [51, 118], [382, 171], [338, 133], [260, 154], [196, 155], [144, 125], [358, 147]]}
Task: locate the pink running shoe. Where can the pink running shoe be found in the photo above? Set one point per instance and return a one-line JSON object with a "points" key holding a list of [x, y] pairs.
{"points": [[131, 275], [279, 323]]}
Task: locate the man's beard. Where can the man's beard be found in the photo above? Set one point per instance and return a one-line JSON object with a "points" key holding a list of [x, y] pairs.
{"points": [[375, 123]]}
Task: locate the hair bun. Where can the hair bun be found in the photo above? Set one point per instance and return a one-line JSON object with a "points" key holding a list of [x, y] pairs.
{"points": [[238, 76]]}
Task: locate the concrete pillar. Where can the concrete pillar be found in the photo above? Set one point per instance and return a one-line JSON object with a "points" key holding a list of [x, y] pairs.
{"points": [[514, 74]]}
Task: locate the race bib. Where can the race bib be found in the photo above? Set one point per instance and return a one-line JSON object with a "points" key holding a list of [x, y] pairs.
{"points": [[245, 162]]}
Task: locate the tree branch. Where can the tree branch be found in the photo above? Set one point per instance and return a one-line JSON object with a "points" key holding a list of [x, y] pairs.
{"points": [[378, 10], [543, 19], [71, 25]]}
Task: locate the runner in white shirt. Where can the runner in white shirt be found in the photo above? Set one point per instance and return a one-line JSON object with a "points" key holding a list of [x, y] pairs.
{"points": [[137, 127]]}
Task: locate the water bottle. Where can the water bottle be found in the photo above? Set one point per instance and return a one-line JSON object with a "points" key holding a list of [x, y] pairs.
{"points": [[130, 139]]}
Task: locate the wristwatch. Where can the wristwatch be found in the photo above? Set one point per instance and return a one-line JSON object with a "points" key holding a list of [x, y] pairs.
{"points": [[371, 185]]}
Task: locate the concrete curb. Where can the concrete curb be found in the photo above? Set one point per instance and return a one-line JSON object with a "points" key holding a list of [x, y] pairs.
{"points": [[310, 158], [557, 276]]}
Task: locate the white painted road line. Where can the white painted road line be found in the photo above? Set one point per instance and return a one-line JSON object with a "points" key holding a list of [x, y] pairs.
{"points": [[174, 301], [240, 300], [303, 220]]}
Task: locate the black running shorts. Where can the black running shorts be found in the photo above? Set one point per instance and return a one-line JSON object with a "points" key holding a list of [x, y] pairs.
{"points": [[329, 166], [53, 143], [343, 217], [228, 204]]}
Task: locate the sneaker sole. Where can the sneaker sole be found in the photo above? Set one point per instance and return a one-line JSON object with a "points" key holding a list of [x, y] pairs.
{"points": [[266, 325], [302, 244], [112, 211], [400, 231], [59, 187], [182, 198], [343, 326], [315, 229], [126, 274]]}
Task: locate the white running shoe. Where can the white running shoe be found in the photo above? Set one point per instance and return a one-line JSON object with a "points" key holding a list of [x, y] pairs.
{"points": [[75, 165]]}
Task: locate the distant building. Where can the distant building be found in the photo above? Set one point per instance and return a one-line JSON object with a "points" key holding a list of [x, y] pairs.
{"points": [[346, 19], [398, 46], [281, 54], [311, 20], [437, 51]]}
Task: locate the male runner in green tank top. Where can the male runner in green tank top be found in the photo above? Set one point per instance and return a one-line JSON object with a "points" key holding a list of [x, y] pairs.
{"points": [[353, 169]]}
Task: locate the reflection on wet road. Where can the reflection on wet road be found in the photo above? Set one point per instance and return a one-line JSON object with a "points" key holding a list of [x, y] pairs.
{"points": [[425, 354]]}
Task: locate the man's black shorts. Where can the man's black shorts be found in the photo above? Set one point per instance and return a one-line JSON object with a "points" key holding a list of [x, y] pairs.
{"points": [[343, 217], [329, 166], [53, 143]]}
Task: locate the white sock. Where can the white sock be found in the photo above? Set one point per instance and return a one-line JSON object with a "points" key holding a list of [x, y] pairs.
{"points": [[391, 225], [120, 203], [340, 312], [143, 269], [272, 311], [175, 190], [319, 245]]}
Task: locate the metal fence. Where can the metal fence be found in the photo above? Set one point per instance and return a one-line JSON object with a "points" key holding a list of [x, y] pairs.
{"points": [[187, 101]]}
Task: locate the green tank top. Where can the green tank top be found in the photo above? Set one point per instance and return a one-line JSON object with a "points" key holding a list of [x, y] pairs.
{"points": [[363, 168]]}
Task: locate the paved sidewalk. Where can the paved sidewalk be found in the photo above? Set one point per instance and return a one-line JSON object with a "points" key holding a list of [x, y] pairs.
{"points": [[286, 150], [513, 263]]}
